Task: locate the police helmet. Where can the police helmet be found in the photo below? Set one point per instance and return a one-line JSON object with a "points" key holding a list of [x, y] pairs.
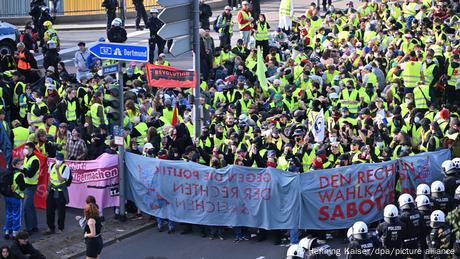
{"points": [[423, 189], [437, 186], [456, 162], [437, 218], [405, 200], [390, 213], [117, 22], [350, 233], [423, 202], [295, 252], [457, 193], [360, 230], [153, 10], [448, 167], [307, 242]]}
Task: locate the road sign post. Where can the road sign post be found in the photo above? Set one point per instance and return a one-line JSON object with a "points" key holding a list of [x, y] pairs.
{"points": [[177, 24], [121, 52]]}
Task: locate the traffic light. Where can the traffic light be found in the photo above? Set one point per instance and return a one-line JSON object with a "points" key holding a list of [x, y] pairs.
{"points": [[113, 104]]}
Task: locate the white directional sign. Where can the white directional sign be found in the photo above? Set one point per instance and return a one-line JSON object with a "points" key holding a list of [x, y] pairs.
{"points": [[181, 45], [169, 3]]}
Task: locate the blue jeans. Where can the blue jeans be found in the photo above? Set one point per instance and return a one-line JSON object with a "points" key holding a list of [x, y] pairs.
{"points": [[30, 215], [294, 236], [13, 214], [171, 224]]}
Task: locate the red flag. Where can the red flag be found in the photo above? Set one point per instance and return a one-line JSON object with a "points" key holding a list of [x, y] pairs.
{"points": [[174, 117]]}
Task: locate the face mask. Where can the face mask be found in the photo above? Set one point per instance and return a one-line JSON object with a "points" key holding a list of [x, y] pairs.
{"points": [[429, 60], [416, 119], [333, 139], [407, 101], [58, 163], [38, 100], [271, 164], [25, 151], [379, 144], [404, 148]]}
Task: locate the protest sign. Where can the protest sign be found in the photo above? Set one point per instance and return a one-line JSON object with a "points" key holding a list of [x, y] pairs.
{"points": [[169, 77], [337, 198], [192, 193]]}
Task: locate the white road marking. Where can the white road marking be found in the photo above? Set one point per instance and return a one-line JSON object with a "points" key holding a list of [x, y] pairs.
{"points": [[73, 49], [261, 257], [68, 60]]}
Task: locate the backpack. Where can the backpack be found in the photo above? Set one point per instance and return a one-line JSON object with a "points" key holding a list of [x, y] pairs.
{"points": [[215, 24], [6, 183]]}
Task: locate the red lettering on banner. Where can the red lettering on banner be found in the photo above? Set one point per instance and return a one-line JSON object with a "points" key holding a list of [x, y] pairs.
{"points": [[360, 177], [351, 210]]}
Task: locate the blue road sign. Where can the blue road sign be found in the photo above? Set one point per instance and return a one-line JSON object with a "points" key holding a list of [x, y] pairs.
{"points": [[111, 69], [119, 51]]}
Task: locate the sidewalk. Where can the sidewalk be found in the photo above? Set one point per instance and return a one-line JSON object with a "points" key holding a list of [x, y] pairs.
{"points": [[72, 245], [95, 22]]}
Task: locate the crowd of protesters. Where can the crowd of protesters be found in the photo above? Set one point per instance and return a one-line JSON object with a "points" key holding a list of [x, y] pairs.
{"points": [[385, 75]]}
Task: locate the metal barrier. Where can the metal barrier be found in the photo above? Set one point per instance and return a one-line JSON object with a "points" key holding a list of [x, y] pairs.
{"points": [[21, 8]]}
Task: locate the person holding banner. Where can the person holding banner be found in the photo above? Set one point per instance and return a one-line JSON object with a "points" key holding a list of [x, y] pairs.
{"points": [[31, 172], [57, 194]]}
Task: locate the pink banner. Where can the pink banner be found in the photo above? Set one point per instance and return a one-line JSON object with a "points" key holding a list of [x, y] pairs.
{"points": [[94, 177]]}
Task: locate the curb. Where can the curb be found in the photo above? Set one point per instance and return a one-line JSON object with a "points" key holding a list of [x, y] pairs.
{"points": [[115, 239]]}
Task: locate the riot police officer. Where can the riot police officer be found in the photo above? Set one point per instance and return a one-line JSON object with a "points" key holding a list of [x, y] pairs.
{"points": [[362, 245], [440, 199], [295, 252], [440, 236], [316, 249], [117, 33], [425, 209], [453, 220], [413, 221], [452, 178], [154, 25], [391, 231]]}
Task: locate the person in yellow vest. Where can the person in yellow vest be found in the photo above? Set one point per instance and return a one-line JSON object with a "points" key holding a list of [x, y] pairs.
{"points": [[286, 13], [57, 194], [14, 199], [422, 97], [49, 127], [245, 20], [20, 134], [261, 34], [225, 27], [5, 123], [412, 72], [453, 79], [38, 110], [31, 172], [97, 112]]}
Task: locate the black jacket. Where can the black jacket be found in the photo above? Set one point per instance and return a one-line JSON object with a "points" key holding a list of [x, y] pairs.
{"points": [[20, 252], [110, 4], [154, 25], [117, 34]]}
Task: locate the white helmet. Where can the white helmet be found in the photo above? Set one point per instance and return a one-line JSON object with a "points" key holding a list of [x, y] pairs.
{"points": [[448, 166], [456, 162], [295, 251], [390, 211], [153, 10], [405, 200], [117, 22], [307, 242], [423, 189], [437, 218], [360, 230], [422, 201], [437, 186], [457, 193], [350, 233]]}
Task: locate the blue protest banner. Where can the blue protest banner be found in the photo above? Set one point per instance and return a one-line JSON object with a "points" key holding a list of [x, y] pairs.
{"points": [[272, 199], [421, 168], [233, 196], [337, 198]]}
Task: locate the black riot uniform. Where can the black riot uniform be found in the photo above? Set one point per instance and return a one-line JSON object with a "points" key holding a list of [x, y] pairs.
{"points": [[140, 13], [415, 227], [451, 181], [319, 250], [425, 211], [441, 202], [392, 235], [363, 248], [154, 25], [117, 34]]}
